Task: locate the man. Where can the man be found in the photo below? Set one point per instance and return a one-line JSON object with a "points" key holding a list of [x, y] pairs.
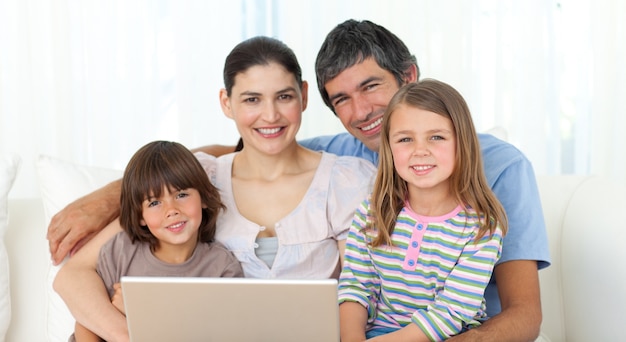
{"points": [[359, 68]]}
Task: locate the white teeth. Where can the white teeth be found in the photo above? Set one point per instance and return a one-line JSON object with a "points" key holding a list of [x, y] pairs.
{"points": [[422, 167], [268, 130], [176, 225], [372, 125]]}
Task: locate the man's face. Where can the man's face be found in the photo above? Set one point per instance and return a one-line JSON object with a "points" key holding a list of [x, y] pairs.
{"points": [[360, 95]]}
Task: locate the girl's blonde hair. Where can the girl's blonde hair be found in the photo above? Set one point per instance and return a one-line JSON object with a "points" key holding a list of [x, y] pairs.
{"points": [[467, 182]]}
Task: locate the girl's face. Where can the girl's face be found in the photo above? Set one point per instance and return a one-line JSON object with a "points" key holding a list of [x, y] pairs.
{"points": [[423, 145], [266, 104], [174, 217]]}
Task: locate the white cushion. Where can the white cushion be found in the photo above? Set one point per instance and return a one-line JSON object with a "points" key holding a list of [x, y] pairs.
{"points": [[8, 168], [61, 183]]}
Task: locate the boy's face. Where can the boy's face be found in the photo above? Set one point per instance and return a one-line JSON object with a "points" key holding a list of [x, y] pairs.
{"points": [[360, 95]]}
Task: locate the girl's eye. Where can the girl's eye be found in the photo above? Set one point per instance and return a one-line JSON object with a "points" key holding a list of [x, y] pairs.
{"points": [[436, 137], [404, 140]]}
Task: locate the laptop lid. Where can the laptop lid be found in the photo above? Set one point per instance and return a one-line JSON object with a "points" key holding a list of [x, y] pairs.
{"points": [[230, 309]]}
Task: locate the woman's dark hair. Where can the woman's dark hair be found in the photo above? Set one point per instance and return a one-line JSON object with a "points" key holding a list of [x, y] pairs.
{"points": [[259, 51], [157, 166]]}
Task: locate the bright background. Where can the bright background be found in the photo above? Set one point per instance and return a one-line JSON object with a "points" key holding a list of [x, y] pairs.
{"points": [[91, 81]]}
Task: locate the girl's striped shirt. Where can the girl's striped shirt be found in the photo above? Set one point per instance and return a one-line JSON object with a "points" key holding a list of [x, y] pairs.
{"points": [[434, 275]]}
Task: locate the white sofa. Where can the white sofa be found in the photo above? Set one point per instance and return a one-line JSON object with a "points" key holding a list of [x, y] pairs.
{"points": [[583, 292]]}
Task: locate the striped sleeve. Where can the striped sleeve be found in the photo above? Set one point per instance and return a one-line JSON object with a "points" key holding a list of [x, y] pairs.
{"points": [[359, 282]]}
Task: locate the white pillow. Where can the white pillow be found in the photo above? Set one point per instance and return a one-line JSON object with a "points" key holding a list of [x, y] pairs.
{"points": [[62, 182], [8, 168]]}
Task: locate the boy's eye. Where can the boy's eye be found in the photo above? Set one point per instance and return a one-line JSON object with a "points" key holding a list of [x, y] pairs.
{"points": [[182, 194], [152, 203]]}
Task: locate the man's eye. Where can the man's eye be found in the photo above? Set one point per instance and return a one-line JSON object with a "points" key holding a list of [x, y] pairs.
{"points": [[370, 86], [251, 99], [339, 101]]}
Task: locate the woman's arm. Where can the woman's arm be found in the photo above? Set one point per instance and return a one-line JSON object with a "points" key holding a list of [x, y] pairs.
{"points": [[84, 293], [82, 219], [82, 334]]}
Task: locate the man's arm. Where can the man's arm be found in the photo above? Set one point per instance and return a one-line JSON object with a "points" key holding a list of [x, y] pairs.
{"points": [[83, 291], [82, 219], [520, 318]]}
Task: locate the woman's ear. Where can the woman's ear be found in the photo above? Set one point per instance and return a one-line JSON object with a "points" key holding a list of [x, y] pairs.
{"points": [[225, 103], [305, 94]]}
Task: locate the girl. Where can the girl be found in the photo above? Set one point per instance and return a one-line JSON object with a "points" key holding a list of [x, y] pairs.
{"points": [[168, 213], [422, 248], [289, 209]]}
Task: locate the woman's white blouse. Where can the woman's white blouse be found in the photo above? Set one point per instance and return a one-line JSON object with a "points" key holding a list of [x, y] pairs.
{"points": [[307, 237]]}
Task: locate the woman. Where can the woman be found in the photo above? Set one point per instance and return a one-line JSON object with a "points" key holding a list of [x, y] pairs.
{"points": [[288, 208]]}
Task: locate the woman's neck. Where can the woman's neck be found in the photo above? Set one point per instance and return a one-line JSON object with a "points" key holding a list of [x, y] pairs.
{"points": [[254, 164]]}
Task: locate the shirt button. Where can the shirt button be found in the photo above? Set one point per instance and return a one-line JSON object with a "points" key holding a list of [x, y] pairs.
{"points": [[414, 244], [256, 245], [419, 226], [261, 228], [411, 263]]}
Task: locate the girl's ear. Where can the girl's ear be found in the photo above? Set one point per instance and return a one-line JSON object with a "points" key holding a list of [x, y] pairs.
{"points": [[225, 103], [142, 223]]}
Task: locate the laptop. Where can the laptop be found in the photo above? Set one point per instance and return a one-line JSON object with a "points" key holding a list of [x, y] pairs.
{"points": [[230, 309]]}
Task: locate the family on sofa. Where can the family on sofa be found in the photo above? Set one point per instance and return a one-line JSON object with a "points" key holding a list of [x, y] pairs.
{"points": [[479, 227]]}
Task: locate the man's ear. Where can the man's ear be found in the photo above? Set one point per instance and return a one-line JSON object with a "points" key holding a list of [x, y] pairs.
{"points": [[411, 74], [225, 103]]}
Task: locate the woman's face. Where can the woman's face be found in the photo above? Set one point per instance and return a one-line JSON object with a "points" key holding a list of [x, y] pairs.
{"points": [[266, 103]]}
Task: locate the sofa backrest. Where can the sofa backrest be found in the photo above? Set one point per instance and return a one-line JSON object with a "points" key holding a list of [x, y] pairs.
{"points": [[583, 292]]}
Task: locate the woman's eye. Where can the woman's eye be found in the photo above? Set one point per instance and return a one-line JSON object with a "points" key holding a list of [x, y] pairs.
{"points": [[285, 97]]}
